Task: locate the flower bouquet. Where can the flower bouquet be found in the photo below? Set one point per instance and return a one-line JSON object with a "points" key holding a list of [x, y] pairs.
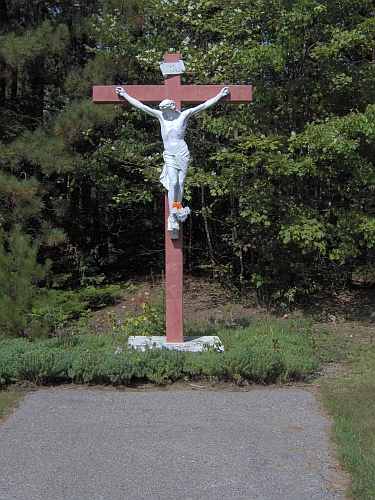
{"points": [[179, 212]]}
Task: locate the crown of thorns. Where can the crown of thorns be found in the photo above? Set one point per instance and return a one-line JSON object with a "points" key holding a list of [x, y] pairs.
{"points": [[167, 103]]}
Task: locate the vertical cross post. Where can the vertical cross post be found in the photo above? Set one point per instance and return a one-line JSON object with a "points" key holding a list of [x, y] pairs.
{"points": [[174, 251], [174, 256]]}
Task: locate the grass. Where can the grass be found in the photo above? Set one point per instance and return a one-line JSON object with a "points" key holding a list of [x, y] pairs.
{"points": [[9, 398], [349, 397], [352, 404]]}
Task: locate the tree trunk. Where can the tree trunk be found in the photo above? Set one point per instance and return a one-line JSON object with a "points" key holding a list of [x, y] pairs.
{"points": [[206, 228]]}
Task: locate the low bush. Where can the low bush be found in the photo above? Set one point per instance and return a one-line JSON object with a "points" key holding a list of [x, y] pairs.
{"points": [[263, 352], [57, 310], [99, 297], [270, 351]]}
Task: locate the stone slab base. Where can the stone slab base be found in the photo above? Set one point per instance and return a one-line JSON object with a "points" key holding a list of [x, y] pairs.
{"points": [[190, 344]]}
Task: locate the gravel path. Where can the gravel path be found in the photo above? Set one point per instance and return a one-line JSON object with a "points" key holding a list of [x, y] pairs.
{"points": [[166, 445]]}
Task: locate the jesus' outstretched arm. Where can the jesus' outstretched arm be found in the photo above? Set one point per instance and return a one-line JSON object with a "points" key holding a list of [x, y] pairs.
{"points": [[205, 105], [137, 104]]}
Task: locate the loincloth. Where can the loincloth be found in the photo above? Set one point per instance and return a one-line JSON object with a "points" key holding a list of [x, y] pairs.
{"points": [[179, 161]]}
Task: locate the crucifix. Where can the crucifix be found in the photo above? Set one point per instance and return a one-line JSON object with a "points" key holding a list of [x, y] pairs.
{"points": [[176, 156]]}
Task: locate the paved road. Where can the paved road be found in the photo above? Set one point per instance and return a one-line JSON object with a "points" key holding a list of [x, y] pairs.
{"points": [[166, 445]]}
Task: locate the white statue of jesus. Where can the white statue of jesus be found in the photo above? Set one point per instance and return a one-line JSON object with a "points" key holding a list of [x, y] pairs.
{"points": [[173, 127], [176, 153]]}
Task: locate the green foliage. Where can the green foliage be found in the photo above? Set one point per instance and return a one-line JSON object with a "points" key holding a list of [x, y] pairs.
{"points": [[119, 370], [269, 351], [19, 275], [97, 298], [262, 353], [285, 210], [26, 309], [58, 310], [150, 320], [163, 365], [207, 365]]}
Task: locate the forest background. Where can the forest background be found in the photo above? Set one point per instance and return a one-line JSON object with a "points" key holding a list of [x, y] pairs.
{"points": [[281, 190]]}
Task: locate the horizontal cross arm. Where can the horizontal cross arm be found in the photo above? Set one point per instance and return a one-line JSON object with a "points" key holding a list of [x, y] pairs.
{"points": [[149, 94], [195, 94], [187, 94]]}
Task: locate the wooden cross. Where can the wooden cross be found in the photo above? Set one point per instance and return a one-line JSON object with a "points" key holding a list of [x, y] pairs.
{"points": [[189, 94]]}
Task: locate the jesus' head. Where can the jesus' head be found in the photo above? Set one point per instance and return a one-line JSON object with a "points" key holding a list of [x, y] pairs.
{"points": [[167, 104]]}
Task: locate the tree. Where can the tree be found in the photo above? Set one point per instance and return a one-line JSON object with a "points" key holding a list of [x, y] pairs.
{"points": [[41, 43], [19, 276]]}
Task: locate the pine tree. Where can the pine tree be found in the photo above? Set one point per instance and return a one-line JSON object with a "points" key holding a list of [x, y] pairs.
{"points": [[19, 275]]}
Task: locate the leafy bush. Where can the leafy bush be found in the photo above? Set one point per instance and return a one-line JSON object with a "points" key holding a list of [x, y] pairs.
{"points": [[206, 365], [255, 364], [21, 361], [99, 297], [118, 370], [163, 365], [150, 320], [268, 351], [60, 309]]}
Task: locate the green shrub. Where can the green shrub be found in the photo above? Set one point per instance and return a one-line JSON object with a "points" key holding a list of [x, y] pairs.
{"points": [[207, 365], [150, 321], [255, 364], [85, 364], [40, 368], [268, 351], [71, 309], [119, 369], [163, 365], [263, 352], [97, 298], [35, 362]]}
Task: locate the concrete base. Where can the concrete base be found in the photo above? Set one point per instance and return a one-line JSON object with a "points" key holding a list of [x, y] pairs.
{"points": [[190, 344]]}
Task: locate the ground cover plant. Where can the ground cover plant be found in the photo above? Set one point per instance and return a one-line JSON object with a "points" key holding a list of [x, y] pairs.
{"points": [[262, 352]]}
